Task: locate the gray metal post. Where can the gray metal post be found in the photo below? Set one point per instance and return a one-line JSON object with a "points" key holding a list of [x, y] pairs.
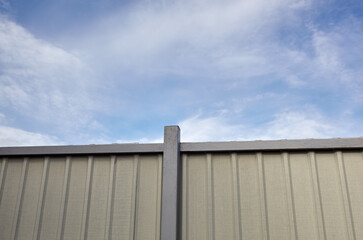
{"points": [[171, 184]]}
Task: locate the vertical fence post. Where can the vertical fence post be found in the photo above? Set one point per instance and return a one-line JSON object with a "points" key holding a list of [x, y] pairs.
{"points": [[170, 207]]}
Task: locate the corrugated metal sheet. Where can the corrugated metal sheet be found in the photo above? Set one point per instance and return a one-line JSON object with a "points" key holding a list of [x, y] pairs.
{"points": [[276, 195], [81, 197], [271, 190]]}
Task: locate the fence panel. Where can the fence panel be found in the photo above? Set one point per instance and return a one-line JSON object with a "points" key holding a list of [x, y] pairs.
{"points": [[81, 197], [272, 195], [269, 190]]}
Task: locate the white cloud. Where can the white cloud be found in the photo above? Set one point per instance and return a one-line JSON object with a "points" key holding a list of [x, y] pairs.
{"points": [[218, 41], [185, 36], [335, 61], [221, 52], [141, 140], [285, 125], [16, 137], [198, 129], [42, 82], [297, 125]]}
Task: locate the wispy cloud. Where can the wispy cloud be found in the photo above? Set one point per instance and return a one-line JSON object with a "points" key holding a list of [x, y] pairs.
{"points": [[223, 44], [42, 82], [141, 140], [287, 124], [195, 35], [16, 137], [217, 128], [244, 65], [299, 124]]}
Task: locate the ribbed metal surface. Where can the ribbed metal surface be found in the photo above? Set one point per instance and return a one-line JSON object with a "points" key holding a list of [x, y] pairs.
{"points": [[80, 197], [284, 195]]}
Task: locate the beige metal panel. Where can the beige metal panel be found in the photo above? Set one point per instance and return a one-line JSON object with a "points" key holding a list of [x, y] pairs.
{"points": [[76, 197], [250, 198], [185, 197], [124, 198], [344, 191], [158, 197], [32, 195], [3, 167], [292, 195], [223, 207], [2, 173], [353, 162], [110, 198], [303, 196], [19, 199], [331, 196], [12, 182], [236, 197], [296, 195], [95, 197], [196, 193], [276, 197], [147, 217], [99, 198], [53, 198]]}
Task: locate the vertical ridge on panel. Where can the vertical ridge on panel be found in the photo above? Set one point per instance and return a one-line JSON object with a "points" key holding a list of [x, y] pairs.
{"points": [[278, 214], [353, 164], [236, 198], [264, 215], [11, 182], [98, 197], [290, 196], [4, 165], [40, 205], [345, 193], [317, 196], [64, 199], [158, 197], [331, 197], [185, 198], [52, 205], [76, 197], [197, 177], [148, 184], [303, 194], [31, 194], [123, 209], [224, 224], [87, 199], [110, 197], [19, 199], [134, 198], [210, 199], [250, 197], [147, 200]]}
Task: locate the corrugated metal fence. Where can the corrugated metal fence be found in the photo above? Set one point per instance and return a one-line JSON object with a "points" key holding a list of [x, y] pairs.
{"points": [[292, 189], [269, 195], [81, 197]]}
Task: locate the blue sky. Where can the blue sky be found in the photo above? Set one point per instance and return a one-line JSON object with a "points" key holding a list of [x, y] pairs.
{"points": [[90, 72]]}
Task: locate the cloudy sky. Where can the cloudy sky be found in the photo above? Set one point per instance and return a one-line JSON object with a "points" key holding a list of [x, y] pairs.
{"points": [[89, 72]]}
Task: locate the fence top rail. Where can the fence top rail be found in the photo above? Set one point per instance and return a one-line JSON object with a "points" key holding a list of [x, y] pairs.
{"points": [[274, 145], [132, 148]]}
